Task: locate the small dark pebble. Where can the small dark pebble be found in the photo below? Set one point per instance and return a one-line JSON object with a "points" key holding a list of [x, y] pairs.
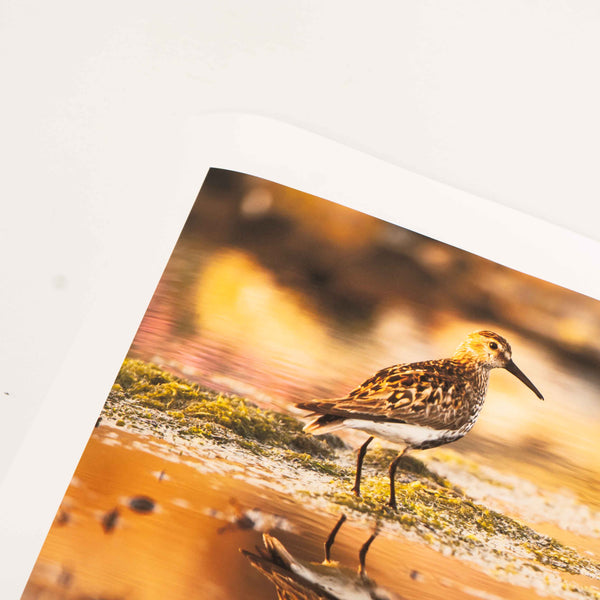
{"points": [[98, 421], [65, 579], [243, 522], [416, 576], [142, 504], [161, 475], [63, 517], [109, 520]]}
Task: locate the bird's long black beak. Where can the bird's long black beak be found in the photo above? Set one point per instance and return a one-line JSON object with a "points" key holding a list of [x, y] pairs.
{"points": [[512, 368]]}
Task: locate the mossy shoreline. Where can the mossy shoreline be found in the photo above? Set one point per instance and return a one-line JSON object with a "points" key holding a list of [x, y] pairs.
{"points": [[195, 412], [429, 506]]}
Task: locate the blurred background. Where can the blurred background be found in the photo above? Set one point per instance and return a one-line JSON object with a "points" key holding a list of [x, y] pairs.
{"points": [[280, 296]]}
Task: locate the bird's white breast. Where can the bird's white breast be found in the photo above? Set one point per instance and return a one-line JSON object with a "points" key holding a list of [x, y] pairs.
{"points": [[402, 433]]}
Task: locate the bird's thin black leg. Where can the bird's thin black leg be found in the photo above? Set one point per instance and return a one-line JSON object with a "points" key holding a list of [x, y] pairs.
{"points": [[329, 541], [362, 555], [359, 462], [393, 468]]}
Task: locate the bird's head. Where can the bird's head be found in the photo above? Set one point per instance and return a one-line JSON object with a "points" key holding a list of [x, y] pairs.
{"points": [[486, 348], [490, 350]]}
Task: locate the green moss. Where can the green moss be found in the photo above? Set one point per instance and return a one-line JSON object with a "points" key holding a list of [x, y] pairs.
{"points": [[452, 518], [147, 385], [322, 466]]}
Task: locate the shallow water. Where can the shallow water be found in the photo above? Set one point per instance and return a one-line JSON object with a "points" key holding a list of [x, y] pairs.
{"points": [[206, 511]]}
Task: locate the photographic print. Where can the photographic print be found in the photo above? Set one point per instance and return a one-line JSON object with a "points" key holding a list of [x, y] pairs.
{"points": [[319, 404]]}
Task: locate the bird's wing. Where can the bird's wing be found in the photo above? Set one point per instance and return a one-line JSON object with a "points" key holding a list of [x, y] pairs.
{"points": [[429, 393]]}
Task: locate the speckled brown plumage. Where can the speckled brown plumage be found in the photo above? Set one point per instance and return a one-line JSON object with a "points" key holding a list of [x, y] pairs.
{"points": [[423, 404], [441, 394]]}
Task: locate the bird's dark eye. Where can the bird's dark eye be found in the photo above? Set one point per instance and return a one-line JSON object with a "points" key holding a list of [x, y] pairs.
{"points": [[493, 345]]}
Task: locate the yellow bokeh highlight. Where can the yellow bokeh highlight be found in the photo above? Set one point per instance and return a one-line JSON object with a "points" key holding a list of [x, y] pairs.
{"points": [[239, 302]]}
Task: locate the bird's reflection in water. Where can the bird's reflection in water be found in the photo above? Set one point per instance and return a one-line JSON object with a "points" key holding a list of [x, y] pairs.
{"points": [[299, 580]]}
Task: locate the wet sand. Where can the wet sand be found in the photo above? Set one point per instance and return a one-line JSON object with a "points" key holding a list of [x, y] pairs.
{"points": [[188, 546]]}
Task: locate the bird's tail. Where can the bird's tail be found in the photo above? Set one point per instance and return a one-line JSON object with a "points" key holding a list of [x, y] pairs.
{"points": [[321, 423], [324, 424]]}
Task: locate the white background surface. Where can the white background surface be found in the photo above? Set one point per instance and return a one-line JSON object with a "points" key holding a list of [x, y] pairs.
{"points": [[496, 98]]}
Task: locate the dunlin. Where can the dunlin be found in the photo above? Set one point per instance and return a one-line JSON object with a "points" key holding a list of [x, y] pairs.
{"points": [[419, 405]]}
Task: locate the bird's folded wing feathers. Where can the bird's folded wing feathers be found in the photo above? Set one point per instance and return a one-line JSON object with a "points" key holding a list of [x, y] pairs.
{"points": [[419, 395]]}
